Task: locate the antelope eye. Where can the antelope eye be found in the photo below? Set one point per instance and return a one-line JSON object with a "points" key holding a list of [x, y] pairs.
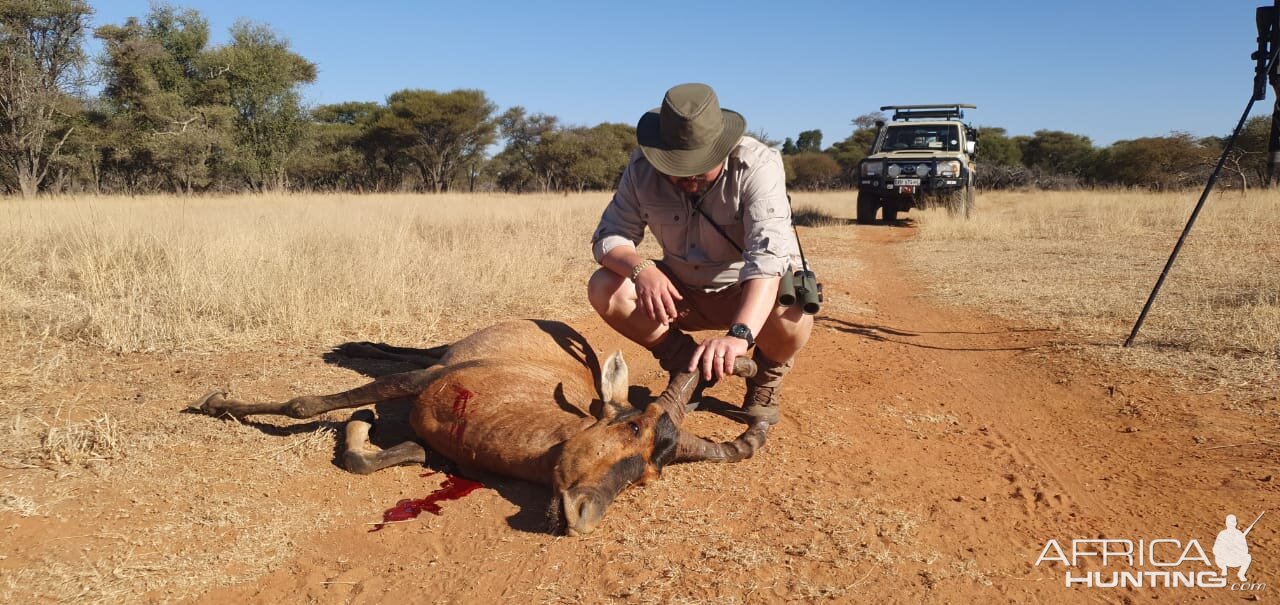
{"points": [[635, 428]]}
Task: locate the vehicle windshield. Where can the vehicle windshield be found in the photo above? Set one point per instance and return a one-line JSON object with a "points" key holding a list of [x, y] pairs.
{"points": [[936, 137]]}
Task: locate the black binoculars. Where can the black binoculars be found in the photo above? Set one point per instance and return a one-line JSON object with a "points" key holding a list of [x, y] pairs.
{"points": [[801, 286]]}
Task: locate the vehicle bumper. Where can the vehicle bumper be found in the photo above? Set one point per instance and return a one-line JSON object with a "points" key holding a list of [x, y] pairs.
{"points": [[934, 184]]}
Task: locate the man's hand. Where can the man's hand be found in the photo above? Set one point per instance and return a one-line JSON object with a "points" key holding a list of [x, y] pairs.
{"points": [[656, 295], [715, 356]]}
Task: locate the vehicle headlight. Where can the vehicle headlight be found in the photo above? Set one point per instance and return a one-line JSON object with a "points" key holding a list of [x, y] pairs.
{"points": [[872, 168], [922, 170], [893, 170], [949, 168]]}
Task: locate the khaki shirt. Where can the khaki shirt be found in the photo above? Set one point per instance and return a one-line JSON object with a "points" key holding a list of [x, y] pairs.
{"points": [[748, 201]]}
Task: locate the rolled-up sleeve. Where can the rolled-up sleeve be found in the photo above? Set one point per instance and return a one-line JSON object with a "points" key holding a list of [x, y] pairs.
{"points": [[621, 222], [770, 240]]}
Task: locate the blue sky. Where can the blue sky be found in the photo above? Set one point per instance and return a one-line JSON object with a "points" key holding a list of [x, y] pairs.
{"points": [[1110, 70]]}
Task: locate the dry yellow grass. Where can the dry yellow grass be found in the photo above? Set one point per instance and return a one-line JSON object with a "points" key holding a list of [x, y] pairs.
{"points": [[1085, 261], [169, 274]]}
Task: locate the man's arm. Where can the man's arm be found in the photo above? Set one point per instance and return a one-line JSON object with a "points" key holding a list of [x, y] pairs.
{"points": [[655, 294], [622, 260], [759, 297], [715, 356], [614, 247], [621, 224], [769, 238]]}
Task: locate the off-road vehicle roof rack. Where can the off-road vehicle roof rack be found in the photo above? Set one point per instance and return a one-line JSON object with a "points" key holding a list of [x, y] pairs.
{"points": [[949, 111]]}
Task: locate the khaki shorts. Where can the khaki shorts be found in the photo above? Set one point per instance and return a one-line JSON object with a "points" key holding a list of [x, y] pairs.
{"points": [[702, 310]]}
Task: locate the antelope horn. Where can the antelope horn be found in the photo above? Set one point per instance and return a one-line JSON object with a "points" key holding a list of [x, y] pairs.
{"points": [[682, 386], [692, 448], [676, 397], [745, 367]]}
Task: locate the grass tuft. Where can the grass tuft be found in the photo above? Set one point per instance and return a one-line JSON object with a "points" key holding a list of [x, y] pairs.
{"points": [[80, 443]]}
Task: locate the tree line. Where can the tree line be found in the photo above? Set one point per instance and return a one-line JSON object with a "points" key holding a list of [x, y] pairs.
{"points": [[174, 113], [1052, 159], [170, 112]]}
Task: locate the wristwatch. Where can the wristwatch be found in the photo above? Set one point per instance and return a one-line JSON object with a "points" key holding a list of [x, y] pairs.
{"points": [[743, 332]]}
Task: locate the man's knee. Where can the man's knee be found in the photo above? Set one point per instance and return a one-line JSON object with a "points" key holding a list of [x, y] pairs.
{"points": [[790, 321], [606, 289], [787, 330]]}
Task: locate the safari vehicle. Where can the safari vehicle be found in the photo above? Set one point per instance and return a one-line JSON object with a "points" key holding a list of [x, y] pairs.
{"points": [[922, 159]]}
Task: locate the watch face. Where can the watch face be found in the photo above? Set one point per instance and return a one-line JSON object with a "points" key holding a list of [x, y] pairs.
{"points": [[740, 331]]}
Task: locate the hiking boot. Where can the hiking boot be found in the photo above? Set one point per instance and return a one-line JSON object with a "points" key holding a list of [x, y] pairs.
{"points": [[763, 398]]}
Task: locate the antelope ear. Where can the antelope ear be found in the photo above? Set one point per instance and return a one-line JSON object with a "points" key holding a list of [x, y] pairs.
{"points": [[614, 380]]}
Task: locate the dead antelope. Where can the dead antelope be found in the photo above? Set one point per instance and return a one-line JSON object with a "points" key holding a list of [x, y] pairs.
{"points": [[520, 399]]}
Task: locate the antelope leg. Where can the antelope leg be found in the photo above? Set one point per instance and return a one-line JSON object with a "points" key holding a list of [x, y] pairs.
{"points": [[362, 457]]}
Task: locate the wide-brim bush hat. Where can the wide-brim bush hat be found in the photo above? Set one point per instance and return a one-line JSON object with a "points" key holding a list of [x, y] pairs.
{"points": [[690, 133]]}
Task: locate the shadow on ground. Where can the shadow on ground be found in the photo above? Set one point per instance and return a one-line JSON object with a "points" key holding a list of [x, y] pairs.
{"points": [[377, 359], [809, 217], [887, 334]]}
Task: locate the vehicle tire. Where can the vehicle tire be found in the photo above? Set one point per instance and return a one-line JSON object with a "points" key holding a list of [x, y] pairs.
{"points": [[954, 203], [890, 212], [867, 205]]}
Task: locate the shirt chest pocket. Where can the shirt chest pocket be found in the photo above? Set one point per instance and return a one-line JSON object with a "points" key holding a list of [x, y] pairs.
{"points": [[720, 233], [669, 224]]}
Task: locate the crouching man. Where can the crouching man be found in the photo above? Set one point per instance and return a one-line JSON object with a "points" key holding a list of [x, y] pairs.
{"points": [[716, 202]]}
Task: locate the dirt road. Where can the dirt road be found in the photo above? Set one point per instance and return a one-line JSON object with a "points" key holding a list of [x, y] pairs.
{"points": [[927, 453]]}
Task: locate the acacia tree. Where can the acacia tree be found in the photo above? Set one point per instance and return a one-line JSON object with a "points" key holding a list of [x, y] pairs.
{"points": [[849, 152], [259, 77], [996, 148], [41, 62], [809, 141], [156, 87], [1169, 162], [508, 173], [334, 155], [189, 131], [581, 158], [1058, 152], [524, 134], [812, 170], [439, 133], [1249, 157]]}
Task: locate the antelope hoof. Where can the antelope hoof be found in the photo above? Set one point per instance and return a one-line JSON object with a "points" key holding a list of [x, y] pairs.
{"points": [[211, 403], [746, 368]]}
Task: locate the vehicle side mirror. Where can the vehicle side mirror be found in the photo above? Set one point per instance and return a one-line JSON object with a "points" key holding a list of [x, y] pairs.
{"points": [[970, 147]]}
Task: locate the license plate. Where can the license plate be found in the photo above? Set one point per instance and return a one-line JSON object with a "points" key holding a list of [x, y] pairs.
{"points": [[910, 182]]}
